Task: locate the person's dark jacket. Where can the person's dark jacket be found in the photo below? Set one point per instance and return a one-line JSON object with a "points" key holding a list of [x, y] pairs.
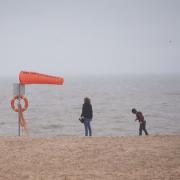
{"points": [[87, 111], [140, 117]]}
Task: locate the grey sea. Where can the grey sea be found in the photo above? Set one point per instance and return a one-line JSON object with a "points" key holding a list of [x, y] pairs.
{"points": [[55, 110]]}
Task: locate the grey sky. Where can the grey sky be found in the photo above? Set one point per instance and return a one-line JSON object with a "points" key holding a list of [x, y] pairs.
{"points": [[89, 36]]}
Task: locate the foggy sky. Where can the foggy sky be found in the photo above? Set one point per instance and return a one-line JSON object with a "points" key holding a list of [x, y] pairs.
{"points": [[89, 36]]}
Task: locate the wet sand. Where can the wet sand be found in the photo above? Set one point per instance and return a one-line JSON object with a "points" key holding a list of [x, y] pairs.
{"points": [[80, 158]]}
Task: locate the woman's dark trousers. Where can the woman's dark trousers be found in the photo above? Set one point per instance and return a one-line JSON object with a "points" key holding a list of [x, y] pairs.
{"points": [[87, 127]]}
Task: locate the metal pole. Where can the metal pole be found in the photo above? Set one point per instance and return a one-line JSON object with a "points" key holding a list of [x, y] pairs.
{"points": [[19, 116]]}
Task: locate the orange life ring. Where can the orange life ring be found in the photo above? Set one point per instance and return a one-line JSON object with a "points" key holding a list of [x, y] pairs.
{"points": [[25, 103]]}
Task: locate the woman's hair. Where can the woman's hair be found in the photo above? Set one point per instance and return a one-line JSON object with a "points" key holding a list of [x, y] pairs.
{"points": [[87, 100]]}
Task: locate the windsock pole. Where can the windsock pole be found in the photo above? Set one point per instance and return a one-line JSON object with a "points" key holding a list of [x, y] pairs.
{"points": [[18, 91], [19, 115]]}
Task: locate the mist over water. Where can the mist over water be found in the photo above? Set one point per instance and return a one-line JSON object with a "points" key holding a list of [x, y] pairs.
{"points": [[54, 110]]}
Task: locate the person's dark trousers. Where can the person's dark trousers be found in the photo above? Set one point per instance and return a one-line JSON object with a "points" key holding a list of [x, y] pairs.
{"points": [[142, 126], [87, 127]]}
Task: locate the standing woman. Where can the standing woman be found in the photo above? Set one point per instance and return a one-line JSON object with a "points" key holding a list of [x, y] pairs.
{"points": [[87, 115]]}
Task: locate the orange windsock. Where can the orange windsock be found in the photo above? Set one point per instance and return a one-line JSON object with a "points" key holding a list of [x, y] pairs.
{"points": [[37, 78]]}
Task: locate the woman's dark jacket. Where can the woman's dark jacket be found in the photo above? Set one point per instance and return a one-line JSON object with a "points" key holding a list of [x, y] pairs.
{"points": [[87, 111]]}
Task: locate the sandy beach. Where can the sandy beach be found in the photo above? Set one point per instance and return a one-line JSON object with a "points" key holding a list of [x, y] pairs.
{"points": [[80, 158]]}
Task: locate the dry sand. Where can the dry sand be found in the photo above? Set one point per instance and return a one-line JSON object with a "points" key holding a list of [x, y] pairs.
{"points": [[80, 158]]}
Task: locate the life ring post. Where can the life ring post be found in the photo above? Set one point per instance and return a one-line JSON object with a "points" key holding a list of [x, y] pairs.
{"points": [[19, 92], [19, 116]]}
